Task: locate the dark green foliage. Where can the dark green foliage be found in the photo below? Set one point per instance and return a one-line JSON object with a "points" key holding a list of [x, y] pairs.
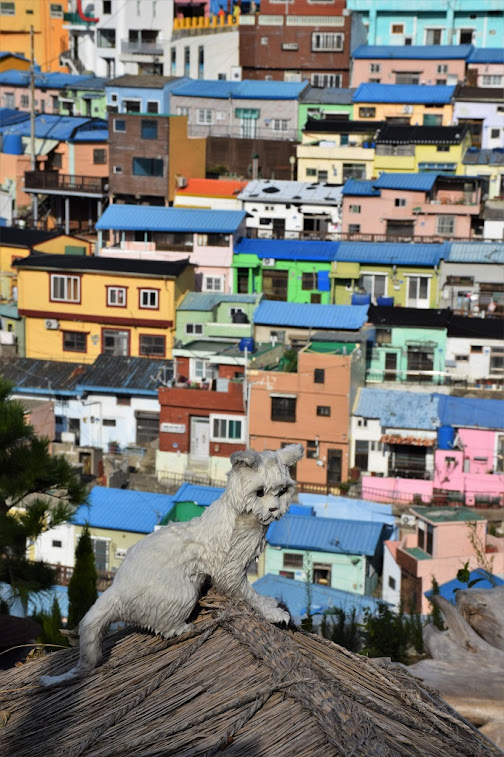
{"points": [[47, 487], [51, 624], [390, 634], [288, 361], [436, 614], [342, 628], [82, 592]]}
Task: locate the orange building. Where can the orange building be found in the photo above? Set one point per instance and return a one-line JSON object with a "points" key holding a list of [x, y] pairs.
{"points": [[50, 38], [12, 61], [311, 406]]}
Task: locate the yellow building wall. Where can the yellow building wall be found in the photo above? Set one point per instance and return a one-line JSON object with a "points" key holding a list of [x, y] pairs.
{"points": [[396, 286], [57, 245], [396, 110], [10, 64], [50, 38], [187, 156]]}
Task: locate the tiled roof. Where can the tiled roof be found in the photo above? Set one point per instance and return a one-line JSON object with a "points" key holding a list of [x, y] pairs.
{"points": [[340, 126], [102, 264], [360, 188], [249, 89], [205, 301], [401, 253], [327, 95], [213, 187], [415, 182], [314, 316], [396, 134], [126, 375], [413, 52], [278, 190], [466, 412], [200, 495], [398, 408], [16, 237], [487, 55], [46, 377], [156, 218], [439, 94], [347, 537], [475, 252], [123, 510], [288, 249]]}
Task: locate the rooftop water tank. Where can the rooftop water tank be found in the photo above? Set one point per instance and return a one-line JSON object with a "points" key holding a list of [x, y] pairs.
{"points": [[361, 299], [12, 144], [246, 343], [445, 437]]}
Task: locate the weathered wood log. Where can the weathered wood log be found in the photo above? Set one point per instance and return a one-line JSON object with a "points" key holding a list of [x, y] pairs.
{"points": [[483, 609]]}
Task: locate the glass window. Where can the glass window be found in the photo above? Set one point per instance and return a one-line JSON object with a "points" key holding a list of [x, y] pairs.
{"points": [[119, 124], [367, 112], [149, 298], [99, 157], [115, 342], [116, 297], [7, 9], [151, 344], [226, 428], [327, 41], [74, 341], [148, 129], [213, 284], [194, 328], [361, 454], [283, 409], [148, 167], [324, 410], [445, 224], [56, 10], [152, 106], [204, 116], [319, 376], [106, 38], [309, 281], [65, 288]]}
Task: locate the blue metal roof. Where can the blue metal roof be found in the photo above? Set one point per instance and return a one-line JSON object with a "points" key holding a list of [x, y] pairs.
{"points": [[9, 116], [476, 252], [123, 510], [426, 94], [49, 126], [307, 315], [344, 537], [332, 506], [206, 301], [466, 412], [287, 249], [413, 52], [399, 253], [54, 80], [293, 594], [360, 188], [200, 495], [90, 135], [414, 182], [399, 408], [487, 55], [157, 218], [249, 89], [449, 589]]}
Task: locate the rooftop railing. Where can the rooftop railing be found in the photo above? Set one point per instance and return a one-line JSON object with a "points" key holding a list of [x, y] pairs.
{"points": [[47, 181]]}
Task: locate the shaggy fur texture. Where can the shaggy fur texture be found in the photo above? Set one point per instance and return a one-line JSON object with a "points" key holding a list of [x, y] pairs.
{"points": [[161, 578]]}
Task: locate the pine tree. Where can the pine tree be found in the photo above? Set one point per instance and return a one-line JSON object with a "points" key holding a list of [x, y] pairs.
{"points": [[37, 492], [82, 592]]}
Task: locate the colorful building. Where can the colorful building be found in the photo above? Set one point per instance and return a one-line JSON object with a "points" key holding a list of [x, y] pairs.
{"points": [[488, 163], [324, 102], [50, 37], [212, 194], [13, 61], [410, 64], [485, 67], [417, 149], [87, 306], [481, 110], [57, 93], [470, 278], [426, 104]]}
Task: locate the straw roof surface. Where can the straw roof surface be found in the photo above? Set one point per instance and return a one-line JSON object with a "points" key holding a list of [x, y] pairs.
{"points": [[237, 685]]}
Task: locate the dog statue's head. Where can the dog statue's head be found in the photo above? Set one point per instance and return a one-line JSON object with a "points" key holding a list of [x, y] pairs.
{"points": [[260, 482]]}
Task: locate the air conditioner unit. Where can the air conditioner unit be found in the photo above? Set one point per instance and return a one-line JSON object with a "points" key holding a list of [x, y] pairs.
{"points": [[52, 323], [408, 520], [269, 262], [236, 73], [407, 109], [181, 182]]}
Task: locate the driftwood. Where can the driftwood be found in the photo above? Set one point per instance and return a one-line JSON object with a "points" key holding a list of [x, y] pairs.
{"points": [[467, 659]]}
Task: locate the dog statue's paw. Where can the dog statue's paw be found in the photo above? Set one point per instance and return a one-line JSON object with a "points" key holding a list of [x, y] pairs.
{"points": [[276, 615]]}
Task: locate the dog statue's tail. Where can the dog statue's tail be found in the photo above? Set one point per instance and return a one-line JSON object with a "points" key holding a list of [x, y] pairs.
{"points": [[91, 629]]}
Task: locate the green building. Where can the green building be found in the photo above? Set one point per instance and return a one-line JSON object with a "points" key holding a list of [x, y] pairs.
{"points": [[324, 102]]}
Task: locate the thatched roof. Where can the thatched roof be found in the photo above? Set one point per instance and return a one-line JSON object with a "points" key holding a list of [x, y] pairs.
{"points": [[237, 685]]}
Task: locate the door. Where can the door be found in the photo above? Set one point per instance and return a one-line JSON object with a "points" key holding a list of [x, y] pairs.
{"points": [[390, 366], [334, 466], [200, 437]]}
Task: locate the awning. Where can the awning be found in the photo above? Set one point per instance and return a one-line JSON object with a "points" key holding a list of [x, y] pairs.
{"points": [[412, 441], [43, 146]]}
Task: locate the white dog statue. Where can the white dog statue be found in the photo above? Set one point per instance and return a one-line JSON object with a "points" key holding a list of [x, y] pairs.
{"points": [[161, 578]]}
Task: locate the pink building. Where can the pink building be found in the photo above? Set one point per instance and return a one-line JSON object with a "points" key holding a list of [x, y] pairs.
{"points": [[443, 542], [413, 64], [485, 68], [425, 206]]}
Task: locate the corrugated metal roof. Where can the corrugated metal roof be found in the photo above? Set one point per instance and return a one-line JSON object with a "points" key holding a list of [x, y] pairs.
{"points": [[426, 94], [332, 506], [465, 412], [55, 80], [449, 589], [126, 374], [315, 316], [288, 249], [90, 135], [328, 95], [347, 537], [249, 89], [360, 188], [153, 218], [476, 252], [49, 126], [301, 192], [229, 188], [123, 510], [413, 52], [51, 376], [200, 495], [415, 182], [399, 408], [402, 253], [487, 55], [205, 301], [99, 264], [293, 594], [10, 116]]}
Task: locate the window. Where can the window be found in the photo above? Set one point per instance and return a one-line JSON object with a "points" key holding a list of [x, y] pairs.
{"points": [[275, 284], [226, 428], [429, 542], [311, 171], [324, 411], [187, 61], [466, 36], [119, 124], [443, 148], [319, 376], [56, 10], [204, 116], [194, 328], [391, 582], [279, 124], [57, 543], [433, 36], [326, 80], [152, 345], [397, 29], [400, 202], [116, 297], [292, 560], [494, 133], [106, 38], [74, 341], [407, 78], [24, 101], [354, 228], [374, 68], [354, 171], [115, 342], [418, 290], [361, 455], [445, 224], [476, 348], [373, 284], [283, 408], [65, 288], [117, 169], [9, 100], [183, 111], [309, 281], [131, 106], [148, 167], [99, 157], [384, 336], [355, 208], [213, 284], [327, 41], [7, 9], [109, 422], [173, 61], [491, 80], [149, 298], [497, 360], [201, 62], [148, 129], [367, 112], [101, 553], [57, 160], [442, 68], [107, 7], [152, 106]]}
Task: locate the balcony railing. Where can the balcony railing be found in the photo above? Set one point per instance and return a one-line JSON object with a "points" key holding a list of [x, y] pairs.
{"points": [[51, 181], [63, 574], [439, 378], [337, 236], [145, 47], [238, 132]]}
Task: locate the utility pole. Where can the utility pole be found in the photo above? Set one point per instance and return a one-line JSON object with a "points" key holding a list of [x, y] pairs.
{"points": [[32, 120]]}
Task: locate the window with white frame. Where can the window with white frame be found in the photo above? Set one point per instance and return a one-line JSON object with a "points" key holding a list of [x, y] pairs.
{"points": [[203, 370], [327, 41], [183, 111], [65, 288], [56, 10], [149, 298], [433, 36], [234, 311], [227, 428], [116, 297], [213, 283], [279, 124], [205, 116], [445, 224], [374, 284], [400, 202], [355, 208], [374, 68], [397, 29], [326, 80], [194, 328], [491, 80], [7, 9], [442, 68], [418, 291]]}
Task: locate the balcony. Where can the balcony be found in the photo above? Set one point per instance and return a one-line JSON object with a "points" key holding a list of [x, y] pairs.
{"points": [[143, 47], [437, 378], [231, 131], [199, 25], [53, 183]]}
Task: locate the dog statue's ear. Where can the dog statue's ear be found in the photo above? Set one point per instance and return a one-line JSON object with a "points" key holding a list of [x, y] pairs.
{"points": [[248, 457], [290, 454]]}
